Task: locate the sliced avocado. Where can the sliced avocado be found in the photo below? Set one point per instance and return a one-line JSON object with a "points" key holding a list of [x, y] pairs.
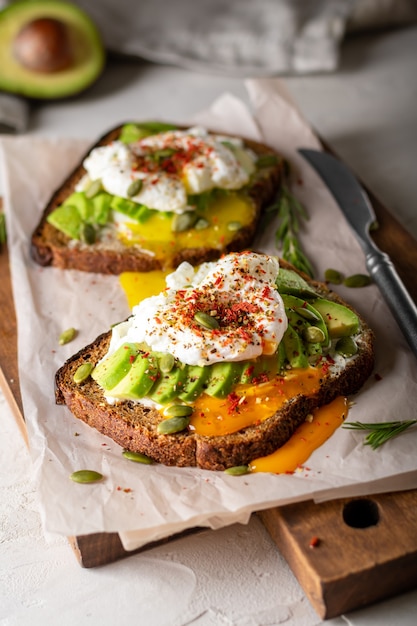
{"points": [[250, 370], [223, 376], [169, 385], [308, 312], [294, 348], [194, 381], [134, 132], [138, 212], [340, 321], [290, 282], [109, 372], [139, 380], [83, 204], [265, 366], [76, 57], [67, 219], [101, 208]]}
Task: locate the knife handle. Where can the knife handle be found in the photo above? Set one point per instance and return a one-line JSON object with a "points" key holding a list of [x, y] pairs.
{"points": [[402, 307]]}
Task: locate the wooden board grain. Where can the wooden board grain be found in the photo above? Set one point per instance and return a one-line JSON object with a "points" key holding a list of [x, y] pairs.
{"points": [[349, 567], [349, 553]]}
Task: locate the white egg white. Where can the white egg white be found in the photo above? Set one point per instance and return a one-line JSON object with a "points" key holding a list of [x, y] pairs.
{"points": [[211, 162], [239, 290]]}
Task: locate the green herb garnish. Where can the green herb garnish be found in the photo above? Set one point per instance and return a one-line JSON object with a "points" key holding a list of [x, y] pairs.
{"points": [[380, 432], [290, 212], [3, 235]]}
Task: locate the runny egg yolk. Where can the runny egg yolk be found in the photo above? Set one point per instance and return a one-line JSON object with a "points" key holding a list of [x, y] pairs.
{"points": [[227, 214], [249, 405], [140, 285], [307, 438]]}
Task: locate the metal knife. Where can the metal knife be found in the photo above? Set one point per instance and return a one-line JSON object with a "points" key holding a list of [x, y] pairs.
{"points": [[357, 209]]}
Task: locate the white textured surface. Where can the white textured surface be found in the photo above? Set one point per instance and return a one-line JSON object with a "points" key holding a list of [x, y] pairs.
{"points": [[235, 576]]}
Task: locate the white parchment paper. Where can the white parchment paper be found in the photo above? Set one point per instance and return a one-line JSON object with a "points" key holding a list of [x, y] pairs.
{"points": [[145, 503]]}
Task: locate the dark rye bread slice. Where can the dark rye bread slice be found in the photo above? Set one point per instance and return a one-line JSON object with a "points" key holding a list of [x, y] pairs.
{"points": [[133, 426], [49, 246]]}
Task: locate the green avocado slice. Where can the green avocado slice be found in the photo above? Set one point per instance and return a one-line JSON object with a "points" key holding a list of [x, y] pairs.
{"points": [[109, 372], [291, 283], [340, 321], [168, 386], [195, 379], [84, 41], [139, 380], [223, 376], [294, 348]]}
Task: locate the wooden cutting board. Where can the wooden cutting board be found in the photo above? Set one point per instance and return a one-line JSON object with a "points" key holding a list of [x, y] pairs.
{"points": [[347, 553]]}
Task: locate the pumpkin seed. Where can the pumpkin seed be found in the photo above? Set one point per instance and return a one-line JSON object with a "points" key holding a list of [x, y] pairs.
{"points": [[313, 334], [66, 336], [166, 363], [82, 372], [201, 224], [234, 226], [333, 276], [86, 476], [346, 346], [137, 457], [163, 153], [88, 233], [206, 320], [237, 470], [357, 280], [95, 187], [183, 221], [134, 187], [172, 425], [179, 410]]}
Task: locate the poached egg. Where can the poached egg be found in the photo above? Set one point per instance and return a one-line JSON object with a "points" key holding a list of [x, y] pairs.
{"points": [[236, 295], [171, 166]]}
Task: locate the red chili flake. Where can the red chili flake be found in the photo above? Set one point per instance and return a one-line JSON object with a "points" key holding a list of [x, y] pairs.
{"points": [[377, 377], [314, 542], [127, 490], [131, 358], [234, 402]]}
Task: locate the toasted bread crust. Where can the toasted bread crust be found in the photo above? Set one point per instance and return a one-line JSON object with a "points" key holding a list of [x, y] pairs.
{"points": [[133, 426], [49, 246]]}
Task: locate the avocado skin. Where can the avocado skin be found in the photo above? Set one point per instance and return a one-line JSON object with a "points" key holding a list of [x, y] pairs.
{"points": [[89, 58]]}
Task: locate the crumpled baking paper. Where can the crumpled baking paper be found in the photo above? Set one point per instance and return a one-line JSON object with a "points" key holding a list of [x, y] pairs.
{"points": [[146, 503]]}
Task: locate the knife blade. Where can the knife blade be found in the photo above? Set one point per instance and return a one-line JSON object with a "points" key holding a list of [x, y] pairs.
{"points": [[358, 211]]}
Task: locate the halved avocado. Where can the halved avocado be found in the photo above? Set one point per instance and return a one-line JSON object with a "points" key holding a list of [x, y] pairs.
{"points": [[30, 31]]}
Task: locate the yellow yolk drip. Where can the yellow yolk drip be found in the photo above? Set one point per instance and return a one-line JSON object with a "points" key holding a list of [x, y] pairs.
{"points": [[251, 404], [140, 285], [307, 438], [156, 234]]}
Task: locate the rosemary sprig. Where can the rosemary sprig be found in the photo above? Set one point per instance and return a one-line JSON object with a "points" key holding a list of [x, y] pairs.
{"points": [[380, 432], [290, 213], [3, 236]]}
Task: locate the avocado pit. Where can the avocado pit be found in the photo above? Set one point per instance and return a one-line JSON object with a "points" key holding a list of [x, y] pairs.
{"points": [[43, 45]]}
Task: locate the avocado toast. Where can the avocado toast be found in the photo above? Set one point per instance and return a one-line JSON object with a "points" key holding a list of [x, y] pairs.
{"points": [[247, 343], [150, 195]]}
